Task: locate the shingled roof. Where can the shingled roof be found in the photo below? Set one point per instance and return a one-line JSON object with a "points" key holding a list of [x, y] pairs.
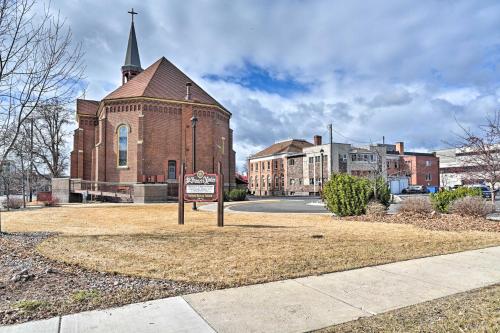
{"points": [[288, 146], [86, 107], [162, 80]]}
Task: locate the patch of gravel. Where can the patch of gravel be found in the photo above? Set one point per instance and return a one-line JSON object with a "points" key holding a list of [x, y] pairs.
{"points": [[34, 287], [436, 221]]}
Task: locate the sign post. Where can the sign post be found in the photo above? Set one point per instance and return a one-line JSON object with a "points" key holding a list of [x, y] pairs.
{"points": [[181, 194], [202, 187], [220, 203]]}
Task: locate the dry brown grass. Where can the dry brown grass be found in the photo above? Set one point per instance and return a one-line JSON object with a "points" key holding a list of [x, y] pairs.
{"points": [[146, 240], [473, 311]]}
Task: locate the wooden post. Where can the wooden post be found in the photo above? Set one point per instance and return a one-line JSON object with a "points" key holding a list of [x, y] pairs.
{"points": [[220, 202], [181, 194]]}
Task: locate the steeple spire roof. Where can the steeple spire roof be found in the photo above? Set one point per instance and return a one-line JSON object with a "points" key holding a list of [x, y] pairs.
{"points": [[132, 56]]}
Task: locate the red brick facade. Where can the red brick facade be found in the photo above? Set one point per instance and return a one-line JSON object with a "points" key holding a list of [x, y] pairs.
{"points": [[159, 132]]}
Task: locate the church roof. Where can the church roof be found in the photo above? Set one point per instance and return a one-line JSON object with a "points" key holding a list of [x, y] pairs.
{"points": [[86, 107], [132, 58], [165, 81], [288, 146]]}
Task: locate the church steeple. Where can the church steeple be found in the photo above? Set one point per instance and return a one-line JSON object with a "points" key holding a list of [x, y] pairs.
{"points": [[132, 65]]}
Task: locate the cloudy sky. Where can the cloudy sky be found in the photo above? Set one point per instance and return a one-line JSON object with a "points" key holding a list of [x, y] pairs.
{"points": [[406, 70]]}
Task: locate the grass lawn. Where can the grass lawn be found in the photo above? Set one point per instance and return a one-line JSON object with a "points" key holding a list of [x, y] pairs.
{"points": [[474, 311], [145, 240]]}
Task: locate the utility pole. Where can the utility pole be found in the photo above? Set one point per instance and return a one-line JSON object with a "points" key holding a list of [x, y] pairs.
{"points": [[330, 130]]}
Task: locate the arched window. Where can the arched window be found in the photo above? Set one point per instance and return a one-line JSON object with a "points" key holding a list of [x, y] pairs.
{"points": [[251, 181], [122, 145], [269, 182]]}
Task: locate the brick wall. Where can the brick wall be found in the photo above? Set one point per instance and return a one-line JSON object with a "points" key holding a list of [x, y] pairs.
{"points": [[159, 132]]}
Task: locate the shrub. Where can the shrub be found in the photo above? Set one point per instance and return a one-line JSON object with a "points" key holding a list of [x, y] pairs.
{"points": [[375, 208], [383, 191], [416, 205], [442, 200], [472, 206], [12, 203], [237, 194], [51, 203], [347, 195]]}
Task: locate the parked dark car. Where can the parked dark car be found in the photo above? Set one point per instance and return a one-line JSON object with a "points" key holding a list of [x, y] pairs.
{"points": [[486, 191], [412, 189]]}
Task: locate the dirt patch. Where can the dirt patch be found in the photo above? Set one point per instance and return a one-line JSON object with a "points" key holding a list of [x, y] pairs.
{"points": [[33, 287]]}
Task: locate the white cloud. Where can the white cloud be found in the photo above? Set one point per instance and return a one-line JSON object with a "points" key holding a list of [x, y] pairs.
{"points": [[402, 69]]}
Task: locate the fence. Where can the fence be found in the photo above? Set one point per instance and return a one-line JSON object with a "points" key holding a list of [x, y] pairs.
{"points": [[121, 191]]}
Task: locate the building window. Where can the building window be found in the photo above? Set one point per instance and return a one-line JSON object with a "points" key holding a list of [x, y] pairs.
{"points": [[317, 159], [428, 177], [311, 160], [343, 157], [292, 181], [257, 166], [172, 169], [311, 181], [122, 145], [251, 182], [291, 161], [428, 163], [269, 182], [276, 164], [251, 166], [268, 165]]}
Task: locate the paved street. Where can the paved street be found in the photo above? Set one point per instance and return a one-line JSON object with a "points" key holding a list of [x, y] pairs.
{"points": [[280, 205], [296, 305]]}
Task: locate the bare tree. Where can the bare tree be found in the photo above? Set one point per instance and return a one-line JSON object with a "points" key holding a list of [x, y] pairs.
{"points": [[479, 152], [50, 134], [38, 64]]}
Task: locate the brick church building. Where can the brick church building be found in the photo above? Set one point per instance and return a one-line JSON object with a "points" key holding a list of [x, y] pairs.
{"points": [[142, 131]]}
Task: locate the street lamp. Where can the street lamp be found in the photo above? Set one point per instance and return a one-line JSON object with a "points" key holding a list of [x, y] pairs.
{"points": [[321, 166], [194, 120]]}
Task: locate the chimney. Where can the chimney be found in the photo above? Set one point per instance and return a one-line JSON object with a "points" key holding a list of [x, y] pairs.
{"points": [[317, 140], [400, 148], [188, 91]]}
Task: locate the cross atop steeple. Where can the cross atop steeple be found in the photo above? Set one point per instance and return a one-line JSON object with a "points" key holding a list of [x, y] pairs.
{"points": [[132, 13]]}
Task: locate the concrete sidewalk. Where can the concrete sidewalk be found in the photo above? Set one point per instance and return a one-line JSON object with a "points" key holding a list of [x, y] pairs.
{"points": [[295, 305]]}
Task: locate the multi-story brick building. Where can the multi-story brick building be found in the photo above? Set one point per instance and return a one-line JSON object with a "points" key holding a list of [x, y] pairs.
{"points": [[302, 169], [142, 131], [423, 168], [267, 169]]}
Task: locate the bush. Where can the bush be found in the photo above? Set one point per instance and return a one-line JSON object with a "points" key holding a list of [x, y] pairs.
{"points": [[472, 206], [237, 194], [51, 203], [12, 203], [347, 195], [416, 205], [442, 200], [383, 191], [375, 208]]}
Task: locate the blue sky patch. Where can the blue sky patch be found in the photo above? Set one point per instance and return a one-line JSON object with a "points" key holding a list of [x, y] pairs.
{"points": [[257, 78]]}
